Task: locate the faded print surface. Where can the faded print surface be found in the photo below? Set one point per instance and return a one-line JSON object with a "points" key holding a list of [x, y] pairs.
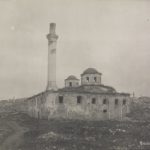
{"points": [[112, 36]]}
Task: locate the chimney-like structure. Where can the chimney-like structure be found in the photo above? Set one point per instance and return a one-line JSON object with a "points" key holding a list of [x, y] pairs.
{"points": [[52, 41]]}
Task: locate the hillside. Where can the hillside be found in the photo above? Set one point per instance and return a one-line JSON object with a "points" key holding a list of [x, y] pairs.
{"points": [[19, 131]]}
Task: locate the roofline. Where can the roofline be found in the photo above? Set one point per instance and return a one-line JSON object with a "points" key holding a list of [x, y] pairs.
{"points": [[83, 92], [75, 91], [72, 79], [91, 73], [102, 85]]}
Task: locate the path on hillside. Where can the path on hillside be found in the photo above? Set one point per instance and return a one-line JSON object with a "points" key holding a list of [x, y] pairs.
{"points": [[14, 140]]}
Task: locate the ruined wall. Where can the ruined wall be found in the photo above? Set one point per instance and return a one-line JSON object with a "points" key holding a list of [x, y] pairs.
{"points": [[36, 106], [49, 106], [86, 109]]}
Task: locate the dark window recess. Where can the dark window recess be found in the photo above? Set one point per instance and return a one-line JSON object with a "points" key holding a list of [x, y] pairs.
{"points": [[95, 79], [87, 78], [61, 99], [105, 111], [116, 101], [70, 84], [124, 102], [93, 100], [105, 101], [79, 99]]}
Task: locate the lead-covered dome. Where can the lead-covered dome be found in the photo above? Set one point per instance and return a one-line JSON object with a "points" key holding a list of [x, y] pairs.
{"points": [[72, 81], [90, 71], [72, 77], [91, 77]]}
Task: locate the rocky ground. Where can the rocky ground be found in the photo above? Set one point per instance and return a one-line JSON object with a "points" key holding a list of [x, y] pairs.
{"points": [[20, 132]]}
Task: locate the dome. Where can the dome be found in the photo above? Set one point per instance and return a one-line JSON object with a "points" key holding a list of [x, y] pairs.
{"points": [[72, 77], [90, 71]]}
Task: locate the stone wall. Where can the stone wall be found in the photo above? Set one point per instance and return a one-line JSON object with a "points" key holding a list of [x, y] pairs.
{"points": [[75, 83], [36, 105], [52, 107], [91, 79]]}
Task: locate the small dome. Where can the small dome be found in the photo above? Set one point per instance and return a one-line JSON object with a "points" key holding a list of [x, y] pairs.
{"points": [[72, 77], [90, 71]]}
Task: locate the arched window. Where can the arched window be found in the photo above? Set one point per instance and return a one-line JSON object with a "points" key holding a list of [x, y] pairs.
{"points": [[105, 101], [124, 101], [61, 99], [93, 100], [105, 111], [95, 79], [87, 78], [79, 99], [70, 84], [116, 101]]}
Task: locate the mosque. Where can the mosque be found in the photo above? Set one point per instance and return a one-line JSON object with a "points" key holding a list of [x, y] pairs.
{"points": [[84, 98]]}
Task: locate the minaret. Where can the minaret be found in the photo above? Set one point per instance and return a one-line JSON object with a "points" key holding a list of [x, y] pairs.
{"points": [[52, 41]]}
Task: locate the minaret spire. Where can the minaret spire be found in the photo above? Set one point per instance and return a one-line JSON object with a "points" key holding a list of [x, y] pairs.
{"points": [[52, 41]]}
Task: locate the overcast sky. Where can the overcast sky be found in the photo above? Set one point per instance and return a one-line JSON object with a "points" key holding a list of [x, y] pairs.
{"points": [[111, 36]]}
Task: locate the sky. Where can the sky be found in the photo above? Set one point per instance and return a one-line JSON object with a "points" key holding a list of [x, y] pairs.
{"points": [[111, 36]]}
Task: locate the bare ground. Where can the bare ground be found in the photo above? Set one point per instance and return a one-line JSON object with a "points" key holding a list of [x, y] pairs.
{"points": [[12, 141], [26, 133]]}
